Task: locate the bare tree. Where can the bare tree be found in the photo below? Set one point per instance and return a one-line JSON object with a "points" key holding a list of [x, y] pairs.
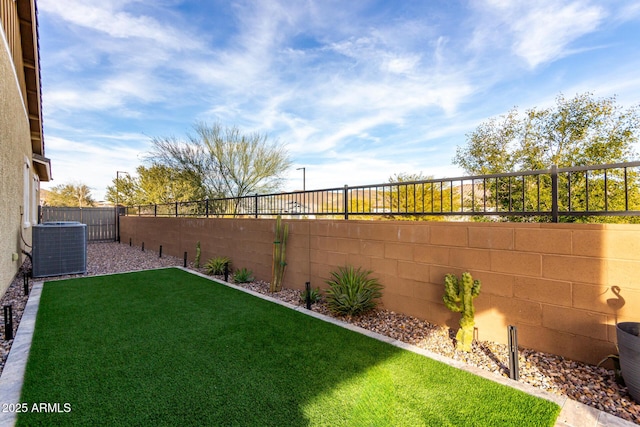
{"points": [[225, 161]]}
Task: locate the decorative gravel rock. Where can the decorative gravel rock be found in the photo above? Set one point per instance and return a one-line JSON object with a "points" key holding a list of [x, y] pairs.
{"points": [[584, 383]]}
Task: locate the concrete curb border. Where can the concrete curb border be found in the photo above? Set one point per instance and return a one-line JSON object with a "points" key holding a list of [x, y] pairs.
{"points": [[13, 373]]}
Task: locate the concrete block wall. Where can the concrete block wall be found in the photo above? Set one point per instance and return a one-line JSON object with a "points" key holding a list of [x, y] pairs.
{"points": [[563, 285]]}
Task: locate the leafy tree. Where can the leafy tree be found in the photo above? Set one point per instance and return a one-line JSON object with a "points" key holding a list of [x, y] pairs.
{"points": [[576, 132], [159, 184], [156, 184], [123, 191], [413, 195], [360, 202], [70, 195], [224, 161]]}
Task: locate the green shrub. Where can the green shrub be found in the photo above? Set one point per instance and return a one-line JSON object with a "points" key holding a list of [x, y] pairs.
{"points": [[243, 276], [216, 265], [352, 291], [315, 295]]}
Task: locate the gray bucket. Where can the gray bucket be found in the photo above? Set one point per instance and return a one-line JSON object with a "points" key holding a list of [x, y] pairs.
{"points": [[628, 334]]}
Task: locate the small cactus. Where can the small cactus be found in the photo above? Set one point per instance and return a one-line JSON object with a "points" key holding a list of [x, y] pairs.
{"points": [[279, 255], [196, 263], [458, 297]]}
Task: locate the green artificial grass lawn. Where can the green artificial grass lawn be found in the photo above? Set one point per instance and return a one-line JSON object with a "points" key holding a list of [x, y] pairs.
{"points": [[167, 347]]}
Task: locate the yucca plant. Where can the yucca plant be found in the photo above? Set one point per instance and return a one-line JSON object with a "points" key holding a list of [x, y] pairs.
{"points": [[352, 292], [243, 275], [216, 266]]}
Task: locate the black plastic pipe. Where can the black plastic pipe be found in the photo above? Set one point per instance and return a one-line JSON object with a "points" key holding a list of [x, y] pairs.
{"points": [[8, 322], [514, 373]]}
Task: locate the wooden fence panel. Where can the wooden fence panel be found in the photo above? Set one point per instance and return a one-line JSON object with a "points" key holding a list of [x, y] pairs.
{"points": [[101, 222]]}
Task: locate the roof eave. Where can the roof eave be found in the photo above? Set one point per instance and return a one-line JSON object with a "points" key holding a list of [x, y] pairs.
{"points": [[42, 166], [27, 14]]}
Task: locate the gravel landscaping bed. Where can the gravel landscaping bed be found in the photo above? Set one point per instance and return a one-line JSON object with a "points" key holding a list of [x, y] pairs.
{"points": [[584, 383]]}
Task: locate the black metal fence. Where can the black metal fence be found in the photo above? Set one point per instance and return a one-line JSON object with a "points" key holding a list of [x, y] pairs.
{"points": [[545, 195]]}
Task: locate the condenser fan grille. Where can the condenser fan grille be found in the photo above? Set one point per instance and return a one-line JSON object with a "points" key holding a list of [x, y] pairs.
{"points": [[59, 248]]}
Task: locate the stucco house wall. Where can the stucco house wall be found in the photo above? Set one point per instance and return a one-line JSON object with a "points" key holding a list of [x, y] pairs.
{"points": [[22, 161]]}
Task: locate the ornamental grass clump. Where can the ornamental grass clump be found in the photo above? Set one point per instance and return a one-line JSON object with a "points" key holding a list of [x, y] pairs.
{"points": [[352, 292], [216, 266]]}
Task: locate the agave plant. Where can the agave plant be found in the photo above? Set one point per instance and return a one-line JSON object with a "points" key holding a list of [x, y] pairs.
{"points": [[243, 275], [352, 292], [216, 266], [315, 295]]}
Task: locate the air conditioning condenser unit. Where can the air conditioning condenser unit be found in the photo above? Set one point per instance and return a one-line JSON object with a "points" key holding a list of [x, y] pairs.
{"points": [[59, 248]]}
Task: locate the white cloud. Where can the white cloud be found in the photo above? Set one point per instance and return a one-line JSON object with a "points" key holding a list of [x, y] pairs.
{"points": [[360, 169], [539, 31], [401, 65], [93, 159], [90, 146], [108, 17], [629, 10], [546, 33], [356, 92]]}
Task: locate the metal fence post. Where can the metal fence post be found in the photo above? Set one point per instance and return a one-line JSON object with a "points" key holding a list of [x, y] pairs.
{"points": [[626, 191], [118, 223], [255, 204], [206, 207], [176, 209], [346, 201], [554, 193]]}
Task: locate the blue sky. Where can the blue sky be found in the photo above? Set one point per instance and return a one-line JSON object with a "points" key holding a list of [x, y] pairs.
{"points": [[357, 90]]}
